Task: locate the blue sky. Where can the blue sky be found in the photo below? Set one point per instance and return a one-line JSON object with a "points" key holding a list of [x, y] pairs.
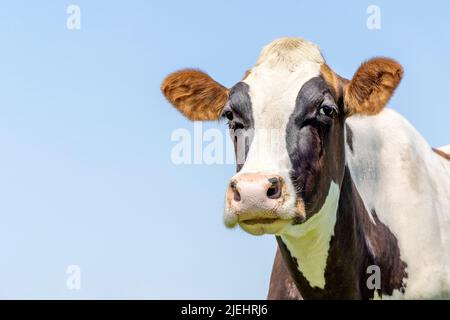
{"points": [[86, 176]]}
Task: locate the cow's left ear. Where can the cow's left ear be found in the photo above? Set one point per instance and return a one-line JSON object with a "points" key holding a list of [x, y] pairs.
{"points": [[372, 86]]}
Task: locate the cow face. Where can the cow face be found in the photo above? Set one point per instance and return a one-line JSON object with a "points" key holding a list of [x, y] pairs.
{"points": [[286, 119]]}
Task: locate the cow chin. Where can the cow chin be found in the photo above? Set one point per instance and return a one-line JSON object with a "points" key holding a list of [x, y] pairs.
{"points": [[259, 223], [265, 226]]}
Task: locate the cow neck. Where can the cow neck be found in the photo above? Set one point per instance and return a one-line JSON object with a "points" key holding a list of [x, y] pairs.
{"points": [[309, 242], [327, 256]]}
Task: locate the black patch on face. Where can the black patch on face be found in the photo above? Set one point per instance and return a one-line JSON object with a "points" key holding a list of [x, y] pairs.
{"points": [[349, 137], [315, 143], [239, 109], [241, 105]]}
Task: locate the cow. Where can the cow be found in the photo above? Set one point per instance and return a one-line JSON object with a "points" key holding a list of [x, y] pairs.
{"points": [[358, 201]]}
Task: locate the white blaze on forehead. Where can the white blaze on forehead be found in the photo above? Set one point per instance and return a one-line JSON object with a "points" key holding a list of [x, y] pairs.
{"points": [[283, 67], [289, 52]]}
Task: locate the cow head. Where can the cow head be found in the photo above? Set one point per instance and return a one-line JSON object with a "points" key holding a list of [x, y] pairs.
{"points": [[286, 118]]}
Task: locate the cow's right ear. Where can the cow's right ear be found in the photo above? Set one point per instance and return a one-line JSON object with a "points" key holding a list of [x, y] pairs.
{"points": [[195, 94]]}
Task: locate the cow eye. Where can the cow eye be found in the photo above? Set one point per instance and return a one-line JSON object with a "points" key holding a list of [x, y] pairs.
{"points": [[229, 115], [326, 110]]}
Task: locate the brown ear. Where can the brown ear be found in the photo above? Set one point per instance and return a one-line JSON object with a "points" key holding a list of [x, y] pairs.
{"points": [[195, 94], [372, 86]]}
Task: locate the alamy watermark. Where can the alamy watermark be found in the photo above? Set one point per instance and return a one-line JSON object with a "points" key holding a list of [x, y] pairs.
{"points": [[73, 21], [373, 281], [373, 21], [214, 146], [73, 280]]}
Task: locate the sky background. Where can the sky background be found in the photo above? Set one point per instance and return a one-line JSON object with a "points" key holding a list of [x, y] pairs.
{"points": [[86, 176]]}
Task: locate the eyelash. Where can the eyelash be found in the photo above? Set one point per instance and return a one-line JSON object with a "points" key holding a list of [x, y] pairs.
{"points": [[328, 111], [235, 125], [231, 122]]}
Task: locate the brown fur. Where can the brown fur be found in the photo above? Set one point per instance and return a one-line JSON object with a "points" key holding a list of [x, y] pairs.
{"points": [[282, 286], [442, 153], [247, 73], [195, 94], [334, 81], [372, 86]]}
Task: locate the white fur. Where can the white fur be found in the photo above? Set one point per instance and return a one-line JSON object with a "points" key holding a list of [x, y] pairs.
{"points": [[397, 173], [281, 70], [309, 242]]}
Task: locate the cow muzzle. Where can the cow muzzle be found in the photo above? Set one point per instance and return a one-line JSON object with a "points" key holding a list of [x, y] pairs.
{"points": [[258, 202]]}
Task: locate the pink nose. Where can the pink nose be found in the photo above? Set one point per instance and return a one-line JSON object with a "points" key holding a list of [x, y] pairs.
{"points": [[254, 193]]}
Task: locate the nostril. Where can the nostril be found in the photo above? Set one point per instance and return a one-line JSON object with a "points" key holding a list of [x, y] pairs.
{"points": [[236, 195], [274, 191]]}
